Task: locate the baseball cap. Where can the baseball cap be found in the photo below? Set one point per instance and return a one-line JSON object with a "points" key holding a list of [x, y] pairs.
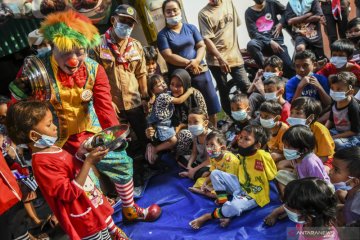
{"points": [[35, 38], [125, 10]]}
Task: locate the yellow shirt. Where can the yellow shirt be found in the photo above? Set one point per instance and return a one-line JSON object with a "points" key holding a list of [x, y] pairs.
{"points": [[324, 143], [229, 164], [254, 174], [275, 143]]}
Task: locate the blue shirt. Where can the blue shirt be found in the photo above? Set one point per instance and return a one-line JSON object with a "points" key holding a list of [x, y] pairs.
{"points": [[308, 90], [182, 44]]}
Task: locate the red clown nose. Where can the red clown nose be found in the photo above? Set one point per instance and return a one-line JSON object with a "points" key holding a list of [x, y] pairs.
{"points": [[72, 62]]}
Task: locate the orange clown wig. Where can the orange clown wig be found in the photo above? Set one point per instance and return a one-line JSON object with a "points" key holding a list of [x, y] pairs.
{"points": [[68, 30]]}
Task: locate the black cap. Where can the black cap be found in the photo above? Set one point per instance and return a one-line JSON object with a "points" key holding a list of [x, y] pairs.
{"points": [[125, 10]]}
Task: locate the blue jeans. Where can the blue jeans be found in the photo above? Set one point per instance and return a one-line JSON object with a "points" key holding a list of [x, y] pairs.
{"points": [[241, 202], [341, 143], [238, 74]]}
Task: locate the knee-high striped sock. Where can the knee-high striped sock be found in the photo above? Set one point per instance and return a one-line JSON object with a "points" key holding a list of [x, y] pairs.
{"points": [[221, 197], [126, 193], [110, 225], [217, 213]]}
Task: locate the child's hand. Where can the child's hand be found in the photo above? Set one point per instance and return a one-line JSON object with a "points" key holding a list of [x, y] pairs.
{"points": [[304, 81], [96, 155], [191, 90], [259, 74], [259, 85], [150, 132], [203, 187], [314, 82]]}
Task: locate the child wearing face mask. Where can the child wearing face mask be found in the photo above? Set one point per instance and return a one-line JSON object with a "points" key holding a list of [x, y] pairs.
{"points": [[197, 165], [306, 83], [220, 159], [240, 110], [274, 88], [299, 144], [311, 203], [346, 179], [345, 112], [82, 210], [250, 186], [305, 111], [270, 119], [341, 53], [160, 116], [273, 66]]}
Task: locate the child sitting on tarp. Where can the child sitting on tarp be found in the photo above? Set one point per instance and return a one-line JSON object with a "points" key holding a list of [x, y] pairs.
{"points": [[250, 186], [220, 159]]}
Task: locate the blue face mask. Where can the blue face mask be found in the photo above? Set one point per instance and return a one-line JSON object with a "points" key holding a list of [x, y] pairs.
{"points": [[293, 216], [45, 141], [338, 62], [296, 121], [337, 96], [268, 75], [291, 154], [239, 115], [270, 96], [123, 30], [196, 130], [343, 185]]}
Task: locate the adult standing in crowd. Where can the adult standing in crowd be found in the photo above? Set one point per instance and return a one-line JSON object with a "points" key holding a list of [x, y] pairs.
{"points": [[81, 101], [124, 62], [336, 18], [182, 46], [265, 31], [218, 22]]}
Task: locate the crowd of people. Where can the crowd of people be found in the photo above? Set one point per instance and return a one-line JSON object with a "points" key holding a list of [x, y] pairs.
{"points": [[296, 122]]}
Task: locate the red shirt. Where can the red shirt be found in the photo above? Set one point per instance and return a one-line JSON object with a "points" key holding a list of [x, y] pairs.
{"points": [[81, 210], [10, 193], [329, 69], [285, 112]]}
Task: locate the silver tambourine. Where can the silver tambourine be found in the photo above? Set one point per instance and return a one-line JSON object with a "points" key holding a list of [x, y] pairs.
{"points": [[111, 138], [35, 72]]}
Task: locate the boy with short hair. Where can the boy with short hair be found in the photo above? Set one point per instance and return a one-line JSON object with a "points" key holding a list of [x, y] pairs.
{"points": [[306, 83], [353, 34], [341, 53], [274, 89], [305, 111], [270, 112], [345, 112]]}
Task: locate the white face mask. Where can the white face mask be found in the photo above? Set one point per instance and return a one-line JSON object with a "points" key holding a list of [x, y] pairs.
{"points": [[296, 121], [337, 96], [293, 216], [271, 96], [123, 30], [267, 123], [338, 62], [43, 50], [174, 20]]}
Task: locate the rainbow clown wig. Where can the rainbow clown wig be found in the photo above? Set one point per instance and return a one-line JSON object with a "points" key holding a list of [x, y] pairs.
{"points": [[68, 30]]}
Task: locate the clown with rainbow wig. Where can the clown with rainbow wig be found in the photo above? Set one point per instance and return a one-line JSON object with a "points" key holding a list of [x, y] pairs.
{"points": [[80, 101]]}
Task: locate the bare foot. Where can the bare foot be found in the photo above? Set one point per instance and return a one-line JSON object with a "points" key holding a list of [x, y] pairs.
{"points": [[198, 222], [224, 222], [184, 174]]}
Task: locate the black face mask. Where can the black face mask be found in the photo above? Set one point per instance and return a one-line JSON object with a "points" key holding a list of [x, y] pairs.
{"points": [[250, 150], [355, 40], [259, 1]]}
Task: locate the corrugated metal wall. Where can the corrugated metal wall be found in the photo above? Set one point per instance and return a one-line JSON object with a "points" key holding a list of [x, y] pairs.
{"points": [[13, 35]]}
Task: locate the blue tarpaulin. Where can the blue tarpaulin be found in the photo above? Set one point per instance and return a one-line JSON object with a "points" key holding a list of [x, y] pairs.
{"points": [[180, 206]]}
